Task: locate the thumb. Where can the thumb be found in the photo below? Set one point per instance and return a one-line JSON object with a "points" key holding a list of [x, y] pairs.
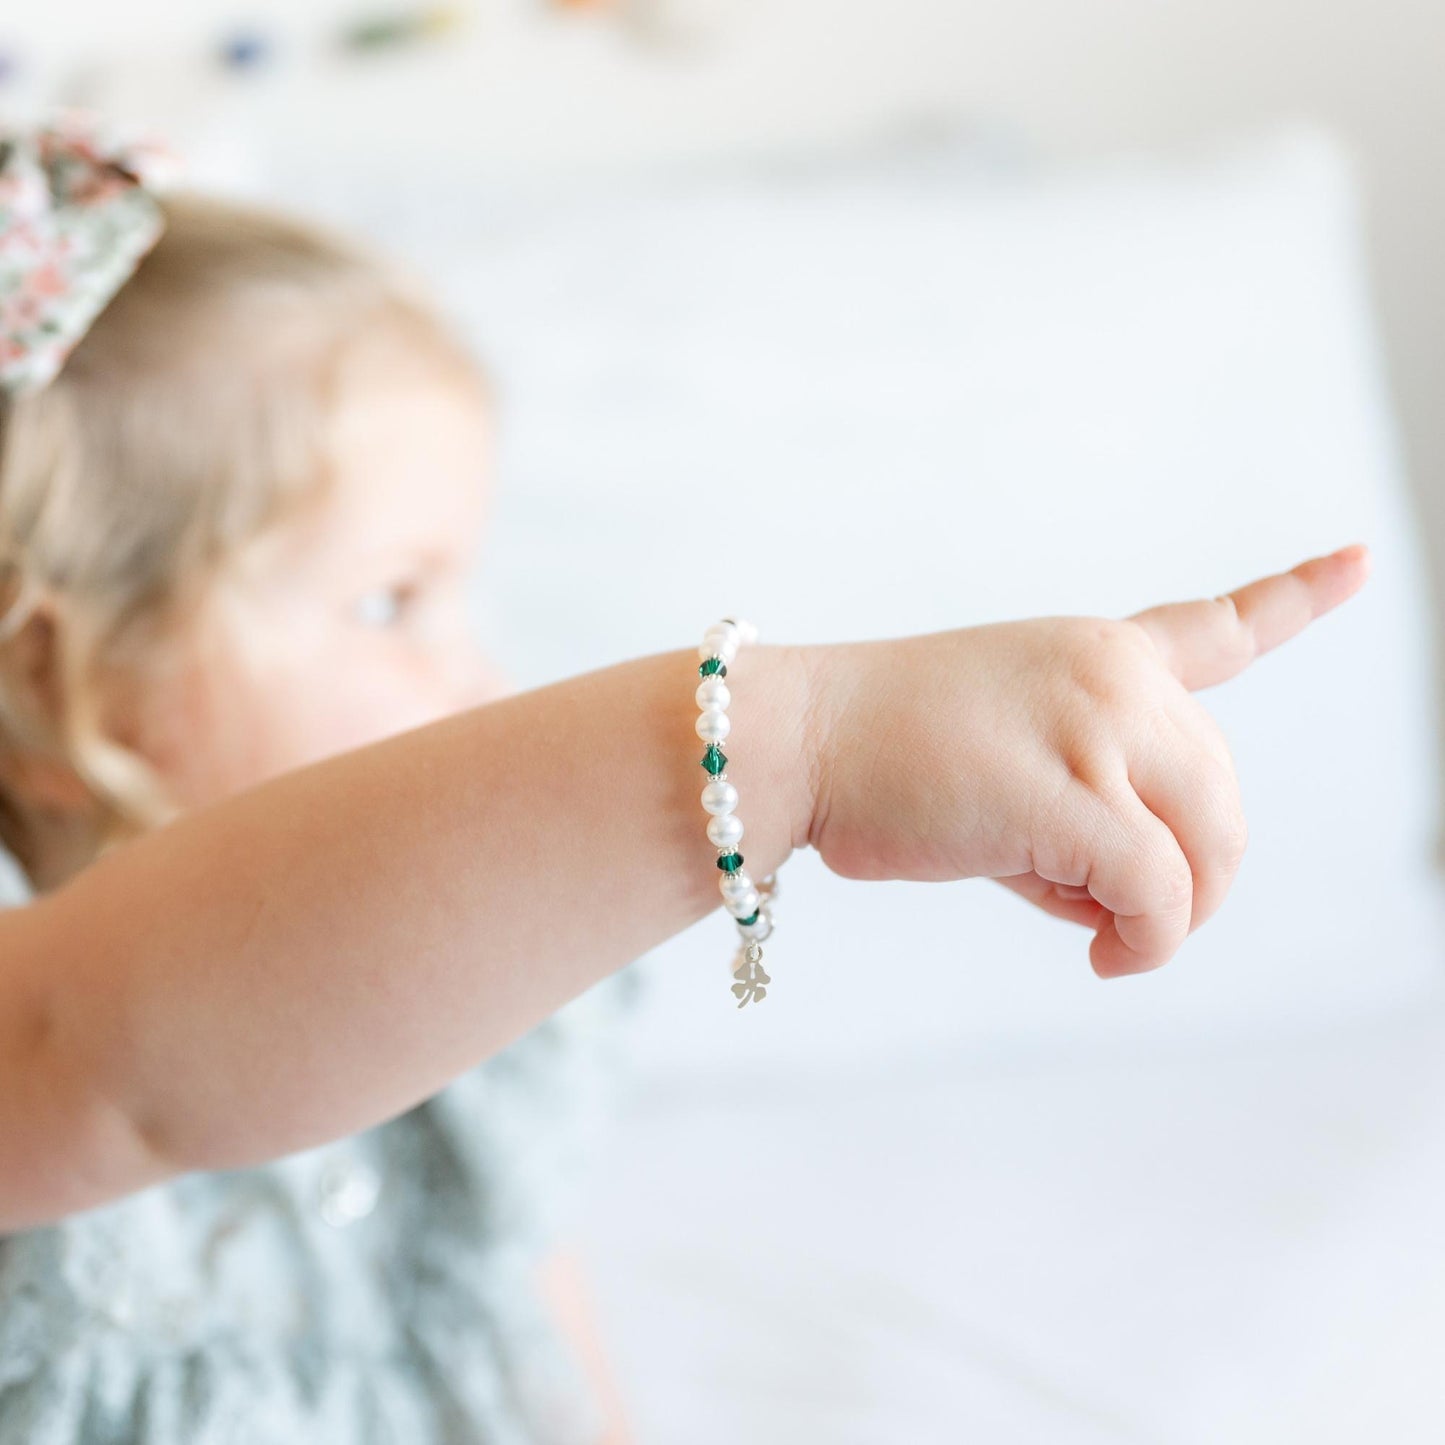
{"points": [[1213, 639]]}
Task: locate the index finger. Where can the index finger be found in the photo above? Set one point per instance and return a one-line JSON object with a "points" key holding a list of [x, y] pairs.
{"points": [[1213, 639]]}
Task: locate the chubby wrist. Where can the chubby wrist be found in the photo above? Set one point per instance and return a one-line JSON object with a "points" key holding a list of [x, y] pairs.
{"points": [[791, 709]]}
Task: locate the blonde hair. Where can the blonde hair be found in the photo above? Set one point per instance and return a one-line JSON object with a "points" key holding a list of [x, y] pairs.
{"points": [[189, 419]]}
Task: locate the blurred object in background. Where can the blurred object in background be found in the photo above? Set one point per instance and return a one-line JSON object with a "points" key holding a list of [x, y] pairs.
{"points": [[385, 30], [245, 50], [668, 22], [10, 67], [525, 86]]}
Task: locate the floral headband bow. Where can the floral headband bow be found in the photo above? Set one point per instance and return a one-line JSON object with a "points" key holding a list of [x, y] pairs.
{"points": [[78, 211]]}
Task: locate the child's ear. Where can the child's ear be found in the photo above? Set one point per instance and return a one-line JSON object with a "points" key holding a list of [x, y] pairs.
{"points": [[39, 781], [32, 662]]}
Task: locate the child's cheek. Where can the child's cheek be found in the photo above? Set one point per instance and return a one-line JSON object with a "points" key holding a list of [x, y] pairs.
{"points": [[372, 695]]}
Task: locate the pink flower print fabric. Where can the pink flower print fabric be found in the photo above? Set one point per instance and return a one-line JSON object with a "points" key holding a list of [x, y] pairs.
{"points": [[78, 211]]}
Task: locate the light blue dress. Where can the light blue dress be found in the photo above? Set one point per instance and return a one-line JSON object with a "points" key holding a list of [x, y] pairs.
{"points": [[379, 1290]]}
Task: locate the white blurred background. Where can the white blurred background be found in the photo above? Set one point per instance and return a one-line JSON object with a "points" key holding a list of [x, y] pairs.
{"points": [[951, 313]]}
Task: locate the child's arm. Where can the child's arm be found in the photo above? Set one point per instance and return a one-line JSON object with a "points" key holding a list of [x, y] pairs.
{"points": [[324, 951], [321, 952]]}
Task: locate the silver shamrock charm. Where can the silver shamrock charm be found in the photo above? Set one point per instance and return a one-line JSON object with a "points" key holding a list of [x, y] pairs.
{"points": [[752, 980]]}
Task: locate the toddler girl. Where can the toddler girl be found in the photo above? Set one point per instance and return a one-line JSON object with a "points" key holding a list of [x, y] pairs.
{"points": [[326, 933], [243, 516]]}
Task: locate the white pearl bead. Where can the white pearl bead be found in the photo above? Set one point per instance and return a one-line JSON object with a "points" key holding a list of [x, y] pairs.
{"points": [[745, 905], [759, 930], [746, 631], [725, 831], [719, 797], [722, 642], [713, 726], [734, 885], [712, 694]]}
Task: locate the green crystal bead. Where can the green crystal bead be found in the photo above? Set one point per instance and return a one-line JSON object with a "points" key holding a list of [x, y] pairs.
{"points": [[730, 862], [751, 918], [714, 759], [713, 665]]}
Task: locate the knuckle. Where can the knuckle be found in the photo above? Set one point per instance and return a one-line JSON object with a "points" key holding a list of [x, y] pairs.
{"points": [[1104, 655], [1214, 790], [1226, 600], [1238, 638], [1219, 793], [1165, 874], [1216, 742], [1234, 842], [1175, 885], [1130, 634]]}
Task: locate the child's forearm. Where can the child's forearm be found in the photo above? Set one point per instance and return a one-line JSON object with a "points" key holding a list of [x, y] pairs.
{"points": [[319, 953]]}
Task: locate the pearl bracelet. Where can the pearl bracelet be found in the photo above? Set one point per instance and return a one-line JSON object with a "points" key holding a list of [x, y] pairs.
{"points": [[749, 903]]}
